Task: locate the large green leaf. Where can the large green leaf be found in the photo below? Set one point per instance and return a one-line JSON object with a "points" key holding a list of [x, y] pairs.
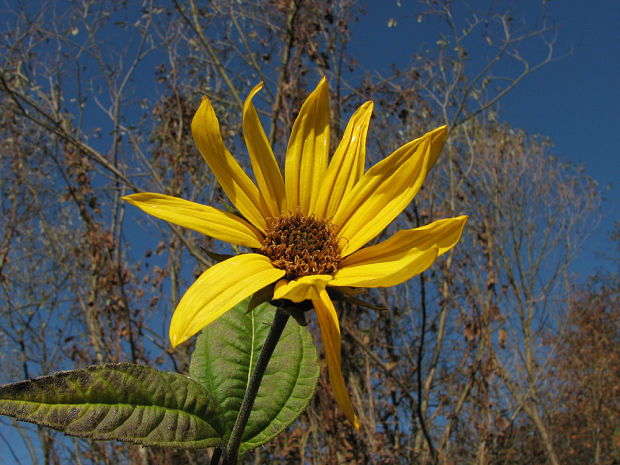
{"points": [[119, 401], [225, 355]]}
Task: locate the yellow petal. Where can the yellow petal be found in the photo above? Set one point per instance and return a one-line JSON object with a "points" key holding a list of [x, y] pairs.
{"points": [[404, 255], [387, 272], [264, 164], [330, 333], [217, 290], [235, 183], [385, 190], [300, 289], [347, 164], [202, 218], [308, 151]]}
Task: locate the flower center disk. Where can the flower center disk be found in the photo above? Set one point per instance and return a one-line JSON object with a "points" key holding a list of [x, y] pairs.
{"points": [[302, 245]]}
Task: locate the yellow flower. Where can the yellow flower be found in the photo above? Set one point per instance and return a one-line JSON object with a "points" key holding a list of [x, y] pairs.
{"points": [[308, 229]]}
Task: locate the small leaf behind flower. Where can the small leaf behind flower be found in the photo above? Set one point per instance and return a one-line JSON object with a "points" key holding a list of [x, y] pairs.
{"points": [[121, 401], [225, 355]]}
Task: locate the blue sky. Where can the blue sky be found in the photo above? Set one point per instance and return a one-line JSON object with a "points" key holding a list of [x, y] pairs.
{"points": [[575, 101]]}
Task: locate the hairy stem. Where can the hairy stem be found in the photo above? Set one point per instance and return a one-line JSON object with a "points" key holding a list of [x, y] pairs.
{"points": [[232, 449]]}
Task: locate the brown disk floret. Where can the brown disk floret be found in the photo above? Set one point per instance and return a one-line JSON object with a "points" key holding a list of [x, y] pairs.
{"points": [[302, 245]]}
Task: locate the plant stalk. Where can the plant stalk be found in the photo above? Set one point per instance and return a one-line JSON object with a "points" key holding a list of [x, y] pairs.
{"points": [[234, 442]]}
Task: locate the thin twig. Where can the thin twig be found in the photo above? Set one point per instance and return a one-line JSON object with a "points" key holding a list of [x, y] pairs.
{"points": [[419, 371], [283, 78]]}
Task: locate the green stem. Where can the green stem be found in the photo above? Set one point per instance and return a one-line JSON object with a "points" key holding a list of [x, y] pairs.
{"points": [[232, 449]]}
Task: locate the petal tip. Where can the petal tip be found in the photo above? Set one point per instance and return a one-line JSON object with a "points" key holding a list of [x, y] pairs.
{"points": [[322, 87], [132, 199], [201, 116], [174, 340], [462, 219], [253, 92], [441, 132], [175, 334], [177, 337], [367, 107]]}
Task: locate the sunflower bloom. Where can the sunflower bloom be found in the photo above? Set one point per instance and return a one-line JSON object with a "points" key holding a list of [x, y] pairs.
{"points": [[306, 230]]}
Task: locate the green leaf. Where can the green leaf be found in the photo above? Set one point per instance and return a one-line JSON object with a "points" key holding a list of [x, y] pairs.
{"points": [[120, 401], [225, 355]]}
